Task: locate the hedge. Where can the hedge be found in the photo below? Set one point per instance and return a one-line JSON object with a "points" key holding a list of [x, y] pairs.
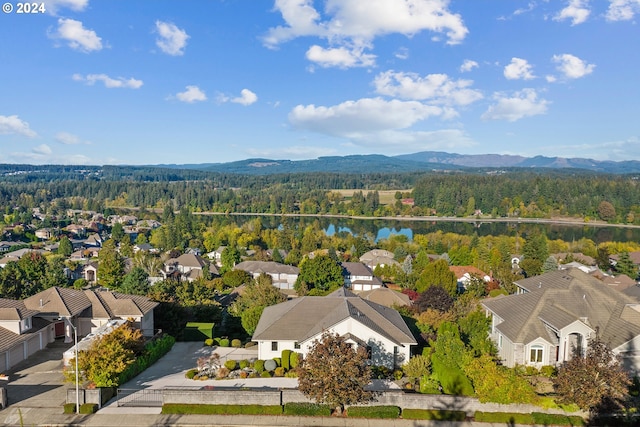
{"points": [[69, 408], [286, 359], [88, 408], [197, 331], [433, 414], [503, 417], [153, 351], [181, 408], [373, 411], [535, 418], [307, 409], [553, 419]]}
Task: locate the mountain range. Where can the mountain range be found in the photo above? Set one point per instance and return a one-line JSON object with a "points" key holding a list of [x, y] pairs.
{"points": [[417, 162]]}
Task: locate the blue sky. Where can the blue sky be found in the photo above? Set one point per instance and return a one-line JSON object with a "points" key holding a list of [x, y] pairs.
{"points": [[185, 81]]}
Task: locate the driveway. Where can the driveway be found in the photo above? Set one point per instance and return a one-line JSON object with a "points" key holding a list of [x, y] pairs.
{"points": [[170, 370]]}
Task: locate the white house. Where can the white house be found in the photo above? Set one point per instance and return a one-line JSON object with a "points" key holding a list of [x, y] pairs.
{"points": [[297, 323], [359, 277], [283, 276]]}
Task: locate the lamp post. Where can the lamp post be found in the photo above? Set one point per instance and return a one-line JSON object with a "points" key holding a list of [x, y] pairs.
{"points": [[75, 341]]}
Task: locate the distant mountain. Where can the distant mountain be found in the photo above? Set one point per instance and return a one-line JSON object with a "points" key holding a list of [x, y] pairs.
{"points": [[425, 161], [373, 163], [508, 161]]}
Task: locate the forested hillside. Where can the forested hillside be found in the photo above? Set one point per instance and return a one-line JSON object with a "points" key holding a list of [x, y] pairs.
{"points": [[513, 193]]}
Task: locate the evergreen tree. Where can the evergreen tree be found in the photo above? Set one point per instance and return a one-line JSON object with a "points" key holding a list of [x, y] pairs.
{"points": [[110, 265]]}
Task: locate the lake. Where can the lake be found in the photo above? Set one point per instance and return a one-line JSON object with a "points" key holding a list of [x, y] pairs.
{"points": [[383, 228]]}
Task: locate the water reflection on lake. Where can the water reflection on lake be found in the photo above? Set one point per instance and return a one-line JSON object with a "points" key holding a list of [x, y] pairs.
{"points": [[378, 229]]}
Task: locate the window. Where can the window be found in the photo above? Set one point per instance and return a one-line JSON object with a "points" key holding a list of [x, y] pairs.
{"points": [[296, 345], [536, 354], [274, 345]]}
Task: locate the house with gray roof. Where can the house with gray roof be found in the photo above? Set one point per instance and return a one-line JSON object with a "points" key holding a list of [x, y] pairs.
{"points": [[283, 276], [297, 323], [553, 316], [378, 257], [359, 277]]}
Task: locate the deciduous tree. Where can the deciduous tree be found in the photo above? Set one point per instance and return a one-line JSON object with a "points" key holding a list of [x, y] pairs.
{"points": [[320, 272], [594, 381], [335, 373]]}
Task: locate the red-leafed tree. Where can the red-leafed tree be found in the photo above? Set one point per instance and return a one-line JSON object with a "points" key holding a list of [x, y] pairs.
{"points": [[335, 373]]}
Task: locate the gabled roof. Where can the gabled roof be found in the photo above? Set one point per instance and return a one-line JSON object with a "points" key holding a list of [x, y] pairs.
{"points": [[120, 305], [190, 260], [65, 302], [559, 298], [14, 310], [356, 269], [269, 267], [305, 318], [461, 270], [385, 296]]}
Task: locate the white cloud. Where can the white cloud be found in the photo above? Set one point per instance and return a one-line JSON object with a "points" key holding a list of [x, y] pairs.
{"points": [[402, 53], [76, 36], [67, 138], [43, 149], [52, 6], [518, 69], [350, 26], [572, 67], [468, 65], [577, 10], [172, 40], [191, 94], [13, 124], [341, 57], [524, 103], [367, 115], [246, 97], [436, 88], [622, 10], [109, 82]]}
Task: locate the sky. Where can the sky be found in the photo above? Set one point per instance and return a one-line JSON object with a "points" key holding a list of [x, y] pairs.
{"points": [[94, 82]]}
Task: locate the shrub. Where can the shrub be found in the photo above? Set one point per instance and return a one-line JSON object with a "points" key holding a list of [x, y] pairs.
{"points": [[548, 371], [69, 408], [208, 342], [222, 372], [380, 372], [307, 409], [259, 365], [265, 374], [278, 361], [398, 374], [279, 372], [250, 344], [374, 411], [191, 373], [236, 343], [244, 363], [429, 385], [494, 293], [294, 360], [230, 364], [88, 408], [433, 414], [253, 375], [224, 342], [216, 340], [291, 374], [182, 408], [270, 365], [286, 359], [418, 366], [244, 374]]}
